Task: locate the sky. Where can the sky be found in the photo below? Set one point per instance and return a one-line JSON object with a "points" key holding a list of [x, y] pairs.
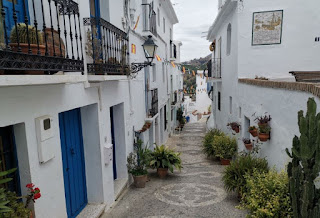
{"points": [[195, 17]]}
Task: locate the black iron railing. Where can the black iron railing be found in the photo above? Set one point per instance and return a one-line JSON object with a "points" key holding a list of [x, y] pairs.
{"points": [[150, 19], [154, 102], [214, 68], [107, 48], [40, 36]]}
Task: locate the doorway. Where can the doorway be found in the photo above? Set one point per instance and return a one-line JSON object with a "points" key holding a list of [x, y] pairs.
{"points": [[8, 158], [73, 161]]}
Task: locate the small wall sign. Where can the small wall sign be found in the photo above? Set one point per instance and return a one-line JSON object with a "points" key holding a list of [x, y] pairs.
{"points": [[133, 49], [267, 27]]}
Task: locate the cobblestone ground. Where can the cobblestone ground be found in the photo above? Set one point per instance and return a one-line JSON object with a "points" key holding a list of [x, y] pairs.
{"points": [[196, 191]]}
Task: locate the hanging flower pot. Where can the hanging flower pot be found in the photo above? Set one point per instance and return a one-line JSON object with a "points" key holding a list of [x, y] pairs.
{"points": [[264, 133], [253, 131], [247, 143], [264, 137], [234, 126]]}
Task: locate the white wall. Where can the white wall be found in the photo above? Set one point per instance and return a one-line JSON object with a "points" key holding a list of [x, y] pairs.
{"points": [[298, 50], [283, 109]]}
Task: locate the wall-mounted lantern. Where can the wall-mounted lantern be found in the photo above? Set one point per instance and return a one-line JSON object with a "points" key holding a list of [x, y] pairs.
{"points": [[149, 48]]}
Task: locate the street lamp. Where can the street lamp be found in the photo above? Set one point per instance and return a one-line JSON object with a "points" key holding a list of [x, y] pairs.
{"points": [[149, 48]]}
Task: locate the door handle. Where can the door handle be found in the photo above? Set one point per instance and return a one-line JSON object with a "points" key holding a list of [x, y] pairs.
{"points": [[67, 169], [72, 151]]}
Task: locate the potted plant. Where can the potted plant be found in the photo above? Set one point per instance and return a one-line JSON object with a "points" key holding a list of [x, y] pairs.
{"points": [[234, 126], [253, 131], [247, 143], [164, 159], [23, 39], [263, 120], [225, 148], [137, 163], [264, 133]]}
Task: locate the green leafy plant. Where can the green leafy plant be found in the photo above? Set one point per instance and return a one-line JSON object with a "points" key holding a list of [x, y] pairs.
{"points": [[234, 174], [267, 195], [251, 128], [163, 157], [3, 197], [138, 161], [22, 36], [265, 129], [207, 147], [18, 208], [305, 165], [225, 147]]}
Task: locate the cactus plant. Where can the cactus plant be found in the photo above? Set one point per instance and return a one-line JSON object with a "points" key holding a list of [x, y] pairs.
{"points": [[305, 165], [22, 36]]}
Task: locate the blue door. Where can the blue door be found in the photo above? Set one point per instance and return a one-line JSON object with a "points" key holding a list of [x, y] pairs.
{"points": [[8, 6], [73, 161]]}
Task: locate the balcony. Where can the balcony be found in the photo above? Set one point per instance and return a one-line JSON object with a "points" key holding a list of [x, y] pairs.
{"points": [[153, 111], [107, 48], [40, 40], [214, 69], [150, 20]]}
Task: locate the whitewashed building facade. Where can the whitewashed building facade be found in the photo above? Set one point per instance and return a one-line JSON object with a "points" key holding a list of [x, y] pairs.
{"points": [[263, 39], [69, 111]]}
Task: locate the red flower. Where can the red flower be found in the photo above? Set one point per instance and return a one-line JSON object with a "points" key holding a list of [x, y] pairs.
{"points": [[37, 190], [30, 185], [37, 195]]}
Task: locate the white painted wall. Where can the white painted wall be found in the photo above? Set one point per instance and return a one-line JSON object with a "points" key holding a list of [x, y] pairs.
{"points": [[298, 51]]}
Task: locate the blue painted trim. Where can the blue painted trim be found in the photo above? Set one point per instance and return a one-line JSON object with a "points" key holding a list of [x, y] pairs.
{"points": [[73, 161]]}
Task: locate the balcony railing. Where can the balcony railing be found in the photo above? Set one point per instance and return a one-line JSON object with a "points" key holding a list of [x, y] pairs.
{"points": [[107, 48], [154, 102], [150, 19], [40, 37], [214, 68]]}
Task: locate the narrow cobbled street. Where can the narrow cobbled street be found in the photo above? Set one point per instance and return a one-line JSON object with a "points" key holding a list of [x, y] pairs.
{"points": [[196, 191]]}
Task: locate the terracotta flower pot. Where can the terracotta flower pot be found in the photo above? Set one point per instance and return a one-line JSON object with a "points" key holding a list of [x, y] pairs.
{"points": [[254, 132], [162, 172], [236, 129], [224, 162], [249, 146], [140, 181], [264, 137], [25, 49]]}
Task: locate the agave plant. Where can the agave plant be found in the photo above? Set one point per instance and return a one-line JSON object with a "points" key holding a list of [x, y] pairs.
{"points": [[163, 157]]}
